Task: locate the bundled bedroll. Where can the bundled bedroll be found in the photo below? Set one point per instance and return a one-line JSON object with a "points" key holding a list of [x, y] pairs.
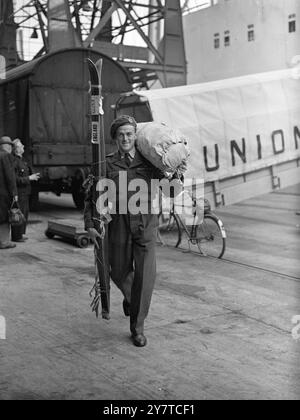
{"points": [[164, 147]]}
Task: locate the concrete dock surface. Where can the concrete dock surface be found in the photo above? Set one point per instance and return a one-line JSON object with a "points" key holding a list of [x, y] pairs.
{"points": [[217, 329]]}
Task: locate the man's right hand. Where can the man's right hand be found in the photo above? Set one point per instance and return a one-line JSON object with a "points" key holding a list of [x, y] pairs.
{"points": [[34, 177], [94, 235]]}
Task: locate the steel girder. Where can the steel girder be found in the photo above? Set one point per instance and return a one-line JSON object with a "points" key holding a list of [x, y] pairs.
{"points": [[155, 51], [8, 34]]}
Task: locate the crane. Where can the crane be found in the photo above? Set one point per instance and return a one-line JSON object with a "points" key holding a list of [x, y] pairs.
{"points": [[144, 36]]}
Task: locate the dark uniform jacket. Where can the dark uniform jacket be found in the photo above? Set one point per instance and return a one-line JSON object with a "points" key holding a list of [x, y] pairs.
{"points": [[23, 171], [8, 188], [140, 168]]}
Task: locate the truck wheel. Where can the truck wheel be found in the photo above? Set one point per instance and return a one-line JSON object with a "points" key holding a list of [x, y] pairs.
{"points": [[83, 241], [49, 234], [78, 191], [78, 199]]}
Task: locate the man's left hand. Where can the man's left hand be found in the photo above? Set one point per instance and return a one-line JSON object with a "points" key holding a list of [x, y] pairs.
{"points": [[94, 235]]}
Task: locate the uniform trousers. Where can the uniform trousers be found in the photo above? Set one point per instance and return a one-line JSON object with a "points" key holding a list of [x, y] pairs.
{"points": [[132, 259]]}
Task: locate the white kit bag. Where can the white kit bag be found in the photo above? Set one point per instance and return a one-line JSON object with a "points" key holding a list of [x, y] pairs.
{"points": [[164, 147]]}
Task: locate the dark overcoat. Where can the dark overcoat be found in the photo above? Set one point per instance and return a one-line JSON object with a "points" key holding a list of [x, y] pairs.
{"points": [[22, 171], [8, 187]]}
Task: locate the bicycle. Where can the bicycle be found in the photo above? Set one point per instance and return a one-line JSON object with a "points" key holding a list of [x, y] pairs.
{"points": [[209, 235]]}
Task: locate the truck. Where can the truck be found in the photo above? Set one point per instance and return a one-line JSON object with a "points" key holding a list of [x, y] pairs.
{"points": [[46, 104]]}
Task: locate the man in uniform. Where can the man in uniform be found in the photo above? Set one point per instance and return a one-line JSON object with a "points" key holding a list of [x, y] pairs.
{"points": [[132, 235], [8, 190]]}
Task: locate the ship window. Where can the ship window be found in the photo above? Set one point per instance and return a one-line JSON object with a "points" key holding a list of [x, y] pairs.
{"points": [[217, 41], [292, 23], [251, 35], [292, 26], [227, 38]]}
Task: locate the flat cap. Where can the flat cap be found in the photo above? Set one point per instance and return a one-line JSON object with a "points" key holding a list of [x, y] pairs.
{"points": [[16, 141], [6, 140], [119, 122]]}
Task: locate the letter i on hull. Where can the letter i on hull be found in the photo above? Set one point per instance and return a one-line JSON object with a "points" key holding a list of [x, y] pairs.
{"points": [[2, 328]]}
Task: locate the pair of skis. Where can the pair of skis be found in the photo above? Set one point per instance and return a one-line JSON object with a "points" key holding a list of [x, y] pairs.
{"points": [[101, 290]]}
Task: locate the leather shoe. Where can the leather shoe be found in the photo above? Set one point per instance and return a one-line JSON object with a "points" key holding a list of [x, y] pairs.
{"points": [[139, 340], [126, 307], [19, 240], [7, 245]]}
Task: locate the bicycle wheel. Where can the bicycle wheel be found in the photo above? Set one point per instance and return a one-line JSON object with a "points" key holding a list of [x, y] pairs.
{"points": [[168, 232], [211, 237]]}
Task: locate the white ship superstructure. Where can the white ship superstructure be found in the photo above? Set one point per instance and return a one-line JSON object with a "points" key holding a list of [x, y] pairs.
{"points": [[239, 37]]}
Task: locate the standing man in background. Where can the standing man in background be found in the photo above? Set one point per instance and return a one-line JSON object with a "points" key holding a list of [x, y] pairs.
{"points": [[8, 190], [24, 177]]}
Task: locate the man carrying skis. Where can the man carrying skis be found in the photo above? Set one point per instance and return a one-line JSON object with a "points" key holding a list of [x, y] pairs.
{"points": [[131, 235]]}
